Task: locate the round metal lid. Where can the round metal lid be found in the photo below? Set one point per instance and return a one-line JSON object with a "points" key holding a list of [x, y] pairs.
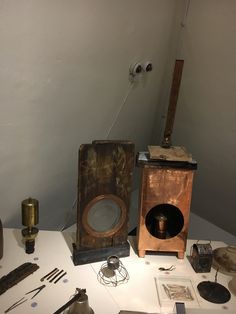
{"points": [[213, 292]]}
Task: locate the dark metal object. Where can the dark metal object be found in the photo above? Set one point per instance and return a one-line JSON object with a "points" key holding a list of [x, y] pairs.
{"points": [[201, 257], [60, 277], [54, 277], [177, 75], [36, 289], [161, 225], [172, 267], [30, 218], [213, 292], [113, 262], [15, 276], [79, 304], [104, 189], [14, 305], [113, 273], [51, 273]]}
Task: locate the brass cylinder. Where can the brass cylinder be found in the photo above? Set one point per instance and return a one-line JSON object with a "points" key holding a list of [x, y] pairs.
{"points": [[161, 226], [30, 212]]}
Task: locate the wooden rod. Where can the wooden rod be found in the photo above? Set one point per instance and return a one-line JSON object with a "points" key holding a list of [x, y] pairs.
{"points": [[174, 93]]}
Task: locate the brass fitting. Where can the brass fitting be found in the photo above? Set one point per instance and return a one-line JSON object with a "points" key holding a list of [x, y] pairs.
{"points": [[30, 218]]}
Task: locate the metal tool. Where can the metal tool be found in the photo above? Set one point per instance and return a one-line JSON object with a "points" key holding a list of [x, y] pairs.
{"points": [[60, 277], [172, 267], [17, 303], [51, 273], [30, 217], [16, 275], [201, 256], [36, 289], [54, 277]]}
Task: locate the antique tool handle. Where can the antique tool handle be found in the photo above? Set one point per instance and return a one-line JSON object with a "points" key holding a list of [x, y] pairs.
{"points": [[174, 93]]}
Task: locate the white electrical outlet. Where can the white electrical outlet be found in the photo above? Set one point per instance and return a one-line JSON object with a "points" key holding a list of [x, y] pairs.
{"points": [[135, 69]]}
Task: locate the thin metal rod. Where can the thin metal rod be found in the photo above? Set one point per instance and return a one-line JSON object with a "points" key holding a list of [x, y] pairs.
{"points": [[51, 272], [60, 277], [54, 277], [19, 302]]}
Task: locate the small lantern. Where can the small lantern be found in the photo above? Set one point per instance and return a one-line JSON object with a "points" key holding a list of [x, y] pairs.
{"points": [[201, 257]]}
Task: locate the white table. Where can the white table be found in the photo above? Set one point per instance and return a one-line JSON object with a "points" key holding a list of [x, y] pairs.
{"points": [[53, 249]]}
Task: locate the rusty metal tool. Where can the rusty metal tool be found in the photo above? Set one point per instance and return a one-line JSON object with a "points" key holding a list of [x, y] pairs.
{"points": [[36, 289], [51, 273], [172, 267], [14, 305], [50, 276], [54, 277], [16, 275], [59, 278]]}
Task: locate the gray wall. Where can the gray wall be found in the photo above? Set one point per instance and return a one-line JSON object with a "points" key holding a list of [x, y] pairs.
{"points": [[64, 81], [206, 114]]}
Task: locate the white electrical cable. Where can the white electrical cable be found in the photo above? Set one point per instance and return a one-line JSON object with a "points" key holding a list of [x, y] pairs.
{"points": [[107, 136], [183, 23], [69, 215], [119, 110]]}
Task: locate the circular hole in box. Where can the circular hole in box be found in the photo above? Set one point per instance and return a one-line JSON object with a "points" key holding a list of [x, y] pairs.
{"points": [[164, 221]]}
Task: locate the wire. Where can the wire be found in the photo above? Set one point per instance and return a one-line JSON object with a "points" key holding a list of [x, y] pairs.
{"points": [[112, 278], [119, 110], [183, 23], [69, 215], [107, 136]]}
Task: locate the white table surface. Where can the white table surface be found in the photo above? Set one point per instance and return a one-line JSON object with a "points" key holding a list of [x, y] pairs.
{"points": [[54, 249]]}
